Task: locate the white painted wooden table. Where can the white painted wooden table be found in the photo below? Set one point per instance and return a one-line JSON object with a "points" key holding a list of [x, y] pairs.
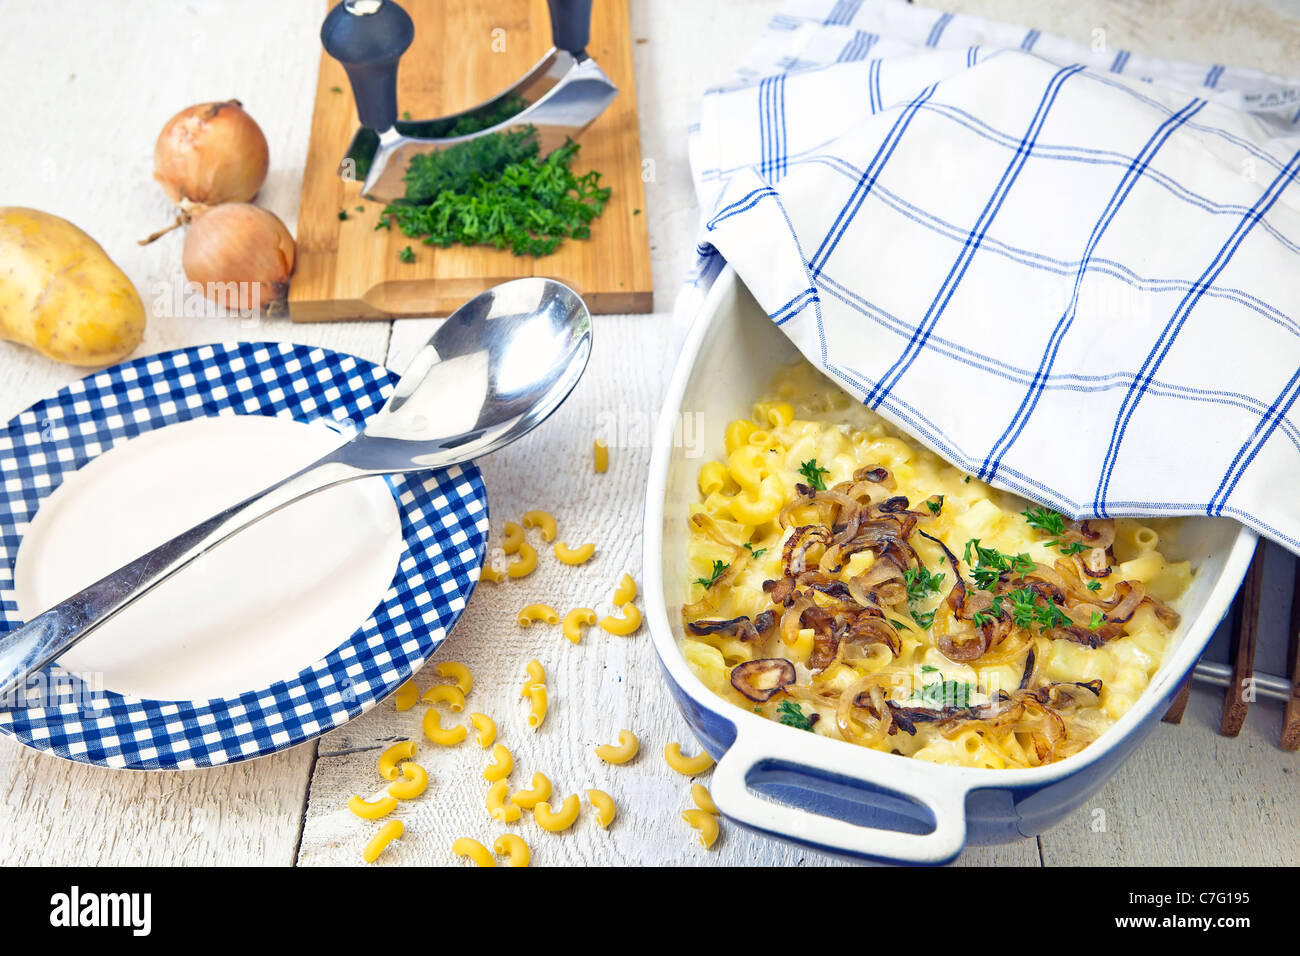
{"points": [[81, 126]]}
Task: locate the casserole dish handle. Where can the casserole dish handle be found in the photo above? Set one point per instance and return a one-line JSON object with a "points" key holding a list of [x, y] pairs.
{"points": [[746, 758]]}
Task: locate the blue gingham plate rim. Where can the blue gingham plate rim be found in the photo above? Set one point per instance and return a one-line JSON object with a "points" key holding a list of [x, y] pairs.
{"points": [[444, 519]]}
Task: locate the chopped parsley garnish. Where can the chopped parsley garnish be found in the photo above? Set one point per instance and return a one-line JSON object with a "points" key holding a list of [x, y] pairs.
{"points": [[718, 568], [361, 208], [755, 554], [1045, 520], [921, 583], [336, 89], [1096, 621], [903, 624], [815, 474], [1053, 523], [935, 506], [343, 214], [498, 190], [929, 669], [1093, 585], [407, 255], [990, 564], [792, 715], [1025, 610], [947, 693]]}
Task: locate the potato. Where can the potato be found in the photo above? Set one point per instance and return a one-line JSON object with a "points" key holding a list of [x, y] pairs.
{"points": [[61, 294]]}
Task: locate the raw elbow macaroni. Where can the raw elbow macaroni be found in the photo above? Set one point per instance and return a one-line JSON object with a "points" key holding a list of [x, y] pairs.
{"points": [[705, 824], [703, 799], [625, 625], [687, 766], [621, 752], [448, 694], [389, 832], [457, 672], [528, 799], [390, 758], [498, 803], [501, 766], [600, 451], [415, 782], [473, 851], [543, 521], [406, 695], [535, 676], [603, 804], [527, 561], [625, 593], [513, 538], [513, 848], [537, 704], [381, 806], [575, 621], [575, 556], [445, 736], [538, 612], [557, 820], [485, 729]]}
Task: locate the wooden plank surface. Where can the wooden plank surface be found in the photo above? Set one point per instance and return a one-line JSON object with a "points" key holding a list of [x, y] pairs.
{"points": [[1189, 795], [465, 52]]}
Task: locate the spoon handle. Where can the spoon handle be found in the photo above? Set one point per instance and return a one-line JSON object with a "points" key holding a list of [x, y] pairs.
{"points": [[27, 649]]}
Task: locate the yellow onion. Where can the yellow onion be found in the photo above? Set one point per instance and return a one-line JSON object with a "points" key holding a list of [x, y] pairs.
{"points": [[210, 153], [240, 253]]}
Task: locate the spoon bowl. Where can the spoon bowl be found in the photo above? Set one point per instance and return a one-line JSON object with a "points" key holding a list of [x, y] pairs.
{"points": [[494, 370]]}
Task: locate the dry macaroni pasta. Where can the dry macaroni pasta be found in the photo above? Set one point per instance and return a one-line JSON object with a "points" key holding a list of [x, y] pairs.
{"points": [[557, 820], [390, 831], [579, 555], [513, 848], [485, 729], [621, 752], [603, 804], [458, 672], [705, 824], [575, 621], [543, 521]]}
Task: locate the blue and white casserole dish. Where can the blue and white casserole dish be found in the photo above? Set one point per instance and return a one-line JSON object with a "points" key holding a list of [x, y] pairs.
{"points": [[828, 794]]}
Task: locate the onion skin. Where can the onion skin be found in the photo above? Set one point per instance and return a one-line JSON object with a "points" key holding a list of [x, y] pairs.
{"points": [[210, 153], [244, 244]]}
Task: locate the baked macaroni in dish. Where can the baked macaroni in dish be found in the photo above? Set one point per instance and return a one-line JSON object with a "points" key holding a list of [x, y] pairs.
{"points": [[848, 582]]}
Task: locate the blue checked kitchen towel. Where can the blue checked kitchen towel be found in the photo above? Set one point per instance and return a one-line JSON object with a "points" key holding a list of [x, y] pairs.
{"points": [[1072, 271]]}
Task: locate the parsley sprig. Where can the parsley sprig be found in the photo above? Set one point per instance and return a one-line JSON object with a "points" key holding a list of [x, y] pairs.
{"points": [[921, 582], [1052, 523], [815, 474], [792, 715], [1026, 610], [755, 554], [944, 693], [719, 568], [990, 564]]}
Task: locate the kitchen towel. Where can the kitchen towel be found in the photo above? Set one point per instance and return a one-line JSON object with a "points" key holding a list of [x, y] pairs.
{"points": [[1070, 270]]}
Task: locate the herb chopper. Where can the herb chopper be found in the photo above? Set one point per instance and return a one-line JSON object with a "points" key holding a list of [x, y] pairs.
{"points": [[559, 97]]}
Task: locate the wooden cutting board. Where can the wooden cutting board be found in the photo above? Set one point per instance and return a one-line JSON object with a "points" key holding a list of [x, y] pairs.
{"points": [[466, 51]]}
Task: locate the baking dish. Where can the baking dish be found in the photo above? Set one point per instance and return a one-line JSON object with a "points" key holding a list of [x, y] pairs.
{"points": [[829, 794]]}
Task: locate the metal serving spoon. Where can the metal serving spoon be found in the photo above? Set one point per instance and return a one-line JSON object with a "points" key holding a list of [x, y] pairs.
{"points": [[494, 370]]}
